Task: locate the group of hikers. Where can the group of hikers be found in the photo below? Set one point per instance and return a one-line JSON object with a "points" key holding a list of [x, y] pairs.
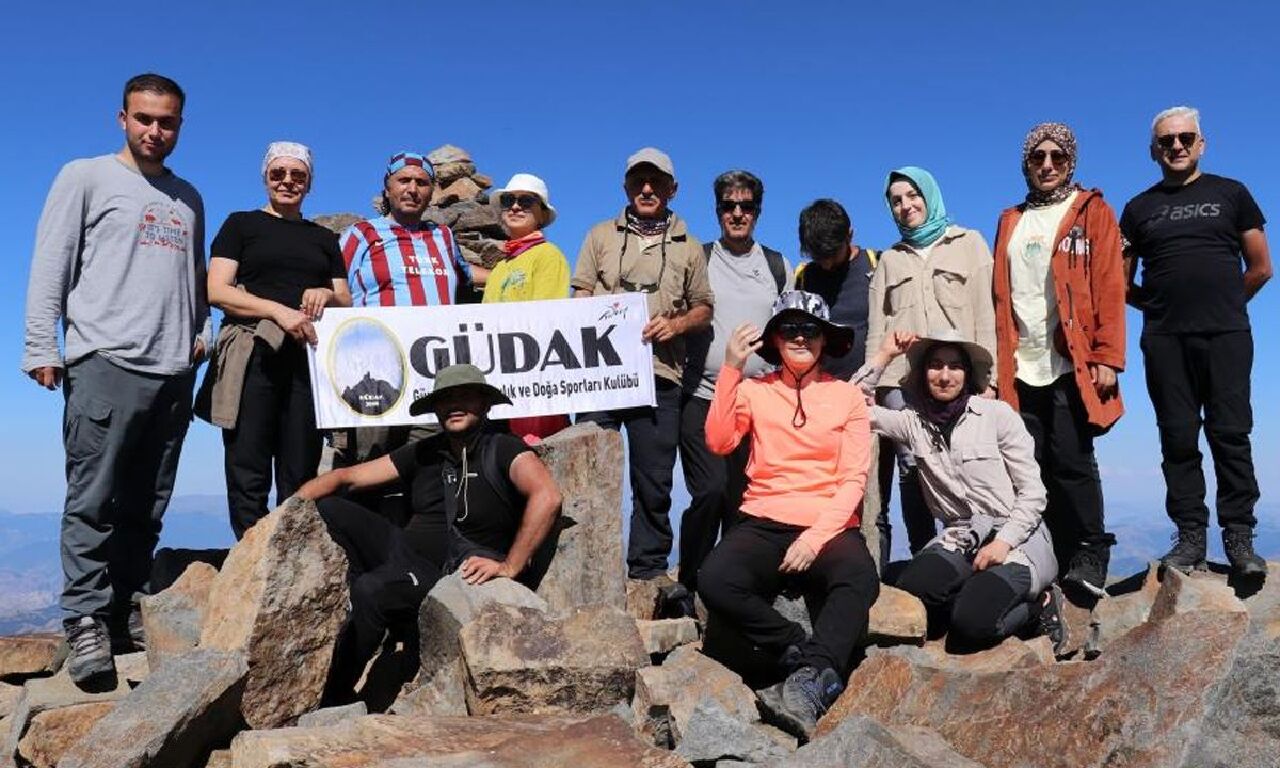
{"points": [[985, 374]]}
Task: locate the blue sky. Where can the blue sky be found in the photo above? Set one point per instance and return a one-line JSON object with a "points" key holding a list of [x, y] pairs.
{"points": [[819, 99]]}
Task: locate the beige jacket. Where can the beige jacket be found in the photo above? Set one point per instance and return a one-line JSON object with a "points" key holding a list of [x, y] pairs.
{"points": [[611, 254], [218, 401], [951, 289]]}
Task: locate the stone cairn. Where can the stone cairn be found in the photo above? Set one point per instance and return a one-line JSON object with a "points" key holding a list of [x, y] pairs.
{"points": [[459, 200], [586, 671]]}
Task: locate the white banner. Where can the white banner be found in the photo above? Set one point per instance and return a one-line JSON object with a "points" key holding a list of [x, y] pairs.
{"points": [[549, 357]]}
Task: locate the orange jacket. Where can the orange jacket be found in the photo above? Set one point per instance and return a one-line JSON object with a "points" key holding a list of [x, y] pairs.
{"points": [[1089, 284]]}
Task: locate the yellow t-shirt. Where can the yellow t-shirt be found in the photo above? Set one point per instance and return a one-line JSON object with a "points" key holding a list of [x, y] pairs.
{"points": [[542, 272]]}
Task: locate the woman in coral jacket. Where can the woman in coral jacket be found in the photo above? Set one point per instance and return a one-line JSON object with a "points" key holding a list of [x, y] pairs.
{"points": [[1059, 299], [810, 445]]}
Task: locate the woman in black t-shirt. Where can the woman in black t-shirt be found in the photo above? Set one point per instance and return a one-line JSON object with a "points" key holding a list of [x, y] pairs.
{"points": [[272, 270]]}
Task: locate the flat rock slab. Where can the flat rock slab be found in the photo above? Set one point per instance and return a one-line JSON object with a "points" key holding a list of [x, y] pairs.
{"points": [[280, 598], [875, 745], [896, 617], [588, 566], [451, 604], [1143, 703], [520, 660], [173, 619], [388, 741], [8, 698], [23, 656], [52, 733], [333, 715], [174, 718], [644, 596], [662, 636], [713, 734], [667, 696]]}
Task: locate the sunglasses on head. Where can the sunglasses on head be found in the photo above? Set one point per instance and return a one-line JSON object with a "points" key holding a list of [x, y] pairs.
{"points": [[293, 174], [1185, 138], [1057, 156], [508, 200], [728, 206], [807, 329]]}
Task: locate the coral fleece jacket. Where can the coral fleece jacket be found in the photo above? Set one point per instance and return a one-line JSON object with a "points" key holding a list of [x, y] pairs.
{"points": [[811, 476]]}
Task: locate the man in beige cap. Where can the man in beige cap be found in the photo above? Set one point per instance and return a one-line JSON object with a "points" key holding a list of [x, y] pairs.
{"points": [[648, 249]]}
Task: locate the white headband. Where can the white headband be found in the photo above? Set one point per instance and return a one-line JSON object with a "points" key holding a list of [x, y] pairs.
{"points": [[279, 149]]}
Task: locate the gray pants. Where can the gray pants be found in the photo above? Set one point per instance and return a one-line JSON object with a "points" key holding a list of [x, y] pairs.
{"points": [[123, 432]]}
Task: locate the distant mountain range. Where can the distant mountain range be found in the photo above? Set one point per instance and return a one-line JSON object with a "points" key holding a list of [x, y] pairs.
{"points": [[31, 571]]}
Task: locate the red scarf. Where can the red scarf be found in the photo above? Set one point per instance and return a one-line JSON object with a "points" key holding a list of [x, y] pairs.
{"points": [[514, 248]]}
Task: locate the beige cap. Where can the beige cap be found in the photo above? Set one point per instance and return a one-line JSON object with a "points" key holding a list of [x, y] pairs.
{"points": [[655, 157]]}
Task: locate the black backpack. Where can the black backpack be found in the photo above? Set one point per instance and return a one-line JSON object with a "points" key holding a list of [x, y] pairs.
{"points": [[777, 264]]}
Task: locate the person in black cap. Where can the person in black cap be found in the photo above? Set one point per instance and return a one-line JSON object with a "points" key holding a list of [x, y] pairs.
{"points": [[482, 504]]}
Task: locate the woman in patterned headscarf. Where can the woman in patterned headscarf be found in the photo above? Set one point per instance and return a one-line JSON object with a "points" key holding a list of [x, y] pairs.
{"points": [[1059, 304]]}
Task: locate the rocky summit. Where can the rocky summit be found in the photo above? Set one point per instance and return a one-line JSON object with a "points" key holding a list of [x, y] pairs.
{"points": [[1168, 670]]}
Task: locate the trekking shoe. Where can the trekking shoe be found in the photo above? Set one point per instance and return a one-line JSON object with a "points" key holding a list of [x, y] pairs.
{"points": [[797, 702], [1050, 621], [1244, 561], [1188, 551], [1089, 569], [90, 650]]}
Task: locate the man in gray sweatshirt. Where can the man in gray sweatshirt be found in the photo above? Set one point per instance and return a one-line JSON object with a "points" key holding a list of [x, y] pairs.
{"points": [[119, 259], [746, 277]]}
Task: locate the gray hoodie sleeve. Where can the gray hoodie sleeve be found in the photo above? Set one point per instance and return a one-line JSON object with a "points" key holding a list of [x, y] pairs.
{"points": [[59, 237]]}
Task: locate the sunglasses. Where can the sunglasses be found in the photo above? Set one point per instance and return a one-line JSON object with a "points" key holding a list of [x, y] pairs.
{"points": [[748, 207], [294, 175], [807, 329], [1058, 157], [527, 202], [1186, 139]]}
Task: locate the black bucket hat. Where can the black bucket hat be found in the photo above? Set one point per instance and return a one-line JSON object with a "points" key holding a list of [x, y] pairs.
{"points": [[839, 338], [458, 377]]}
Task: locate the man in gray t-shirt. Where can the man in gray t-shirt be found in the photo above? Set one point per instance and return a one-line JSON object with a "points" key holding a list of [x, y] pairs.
{"points": [[119, 260], [745, 277]]}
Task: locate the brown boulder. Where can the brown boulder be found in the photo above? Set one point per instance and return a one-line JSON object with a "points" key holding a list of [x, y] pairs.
{"points": [[337, 222], [8, 698], [667, 696], [588, 566], [280, 598], [383, 741], [23, 656], [877, 746], [1141, 704], [520, 660], [1182, 593], [644, 596], [662, 636], [897, 617], [173, 618], [174, 718], [450, 163], [52, 733], [455, 191]]}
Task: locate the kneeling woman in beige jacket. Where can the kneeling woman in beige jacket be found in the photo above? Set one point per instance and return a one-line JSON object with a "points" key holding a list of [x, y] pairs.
{"points": [[990, 572]]}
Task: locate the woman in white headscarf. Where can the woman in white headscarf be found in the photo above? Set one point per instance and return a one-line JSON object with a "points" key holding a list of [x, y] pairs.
{"points": [[273, 273]]}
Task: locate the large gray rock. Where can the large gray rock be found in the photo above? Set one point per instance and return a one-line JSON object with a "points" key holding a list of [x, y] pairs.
{"points": [[174, 718], [386, 741], [878, 746], [52, 733], [588, 567], [667, 696], [521, 660], [173, 619], [280, 598], [714, 734], [452, 603], [23, 656], [871, 506], [46, 694], [333, 715]]}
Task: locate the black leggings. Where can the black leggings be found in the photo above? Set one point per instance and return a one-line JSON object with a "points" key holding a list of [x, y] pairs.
{"points": [[739, 581], [388, 581], [979, 608]]}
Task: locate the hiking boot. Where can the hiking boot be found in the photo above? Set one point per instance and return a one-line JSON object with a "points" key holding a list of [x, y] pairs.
{"points": [[1089, 569], [1050, 621], [1188, 551], [675, 601], [790, 660], [797, 702], [1244, 561], [90, 655]]}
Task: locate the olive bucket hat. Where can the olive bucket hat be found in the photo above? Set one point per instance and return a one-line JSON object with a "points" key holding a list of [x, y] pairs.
{"points": [[802, 304], [458, 377]]}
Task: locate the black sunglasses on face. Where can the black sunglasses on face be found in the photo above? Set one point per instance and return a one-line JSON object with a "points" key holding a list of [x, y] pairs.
{"points": [[748, 207], [294, 175], [527, 202], [808, 329], [1185, 138], [1057, 156]]}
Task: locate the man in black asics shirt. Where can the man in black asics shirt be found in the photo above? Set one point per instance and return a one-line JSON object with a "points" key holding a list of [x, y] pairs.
{"points": [[482, 504], [1190, 233]]}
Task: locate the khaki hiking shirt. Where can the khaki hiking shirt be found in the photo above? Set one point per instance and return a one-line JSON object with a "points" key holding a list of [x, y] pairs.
{"points": [[950, 288], [611, 254]]}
